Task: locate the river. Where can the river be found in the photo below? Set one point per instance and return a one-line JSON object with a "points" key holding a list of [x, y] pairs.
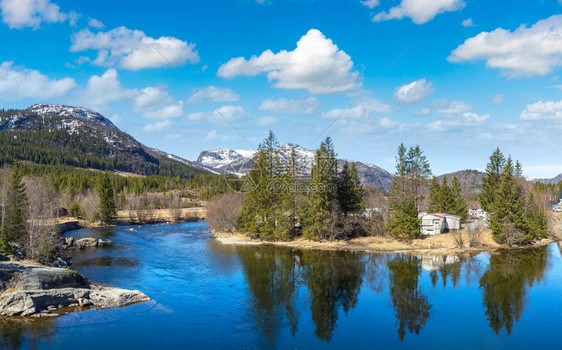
{"points": [[209, 295]]}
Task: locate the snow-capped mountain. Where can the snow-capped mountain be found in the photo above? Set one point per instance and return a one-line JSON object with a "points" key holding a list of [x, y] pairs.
{"points": [[219, 158], [239, 162], [69, 111], [80, 137]]}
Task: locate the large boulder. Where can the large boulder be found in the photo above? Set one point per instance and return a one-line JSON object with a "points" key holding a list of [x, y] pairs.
{"points": [[39, 291]]}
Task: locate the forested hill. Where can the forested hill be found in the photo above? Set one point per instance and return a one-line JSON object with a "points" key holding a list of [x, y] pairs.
{"points": [[79, 137]]}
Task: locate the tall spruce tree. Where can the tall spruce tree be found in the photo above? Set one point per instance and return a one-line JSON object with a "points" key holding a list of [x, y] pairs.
{"points": [[508, 208], [458, 204], [108, 210], [14, 228], [418, 174], [434, 205], [349, 190], [267, 208], [492, 180], [406, 194], [321, 195]]}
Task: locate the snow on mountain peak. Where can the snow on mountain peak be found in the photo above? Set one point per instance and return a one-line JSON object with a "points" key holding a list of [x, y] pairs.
{"points": [[69, 111]]}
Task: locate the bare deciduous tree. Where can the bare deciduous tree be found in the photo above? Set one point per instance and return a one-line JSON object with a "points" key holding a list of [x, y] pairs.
{"points": [[223, 211], [459, 239], [43, 206], [89, 203]]}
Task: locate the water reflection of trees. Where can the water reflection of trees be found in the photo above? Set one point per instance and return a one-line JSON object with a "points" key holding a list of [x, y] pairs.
{"points": [[272, 275], [411, 307], [18, 332], [334, 280], [506, 283]]}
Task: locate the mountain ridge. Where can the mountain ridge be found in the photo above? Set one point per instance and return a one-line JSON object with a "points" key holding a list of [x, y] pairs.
{"points": [[80, 137], [239, 162]]}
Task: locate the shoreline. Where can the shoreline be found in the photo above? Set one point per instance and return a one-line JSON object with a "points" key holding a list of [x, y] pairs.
{"points": [[125, 217], [440, 245]]}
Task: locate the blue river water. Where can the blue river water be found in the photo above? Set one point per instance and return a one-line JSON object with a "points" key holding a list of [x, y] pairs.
{"points": [[214, 296]]}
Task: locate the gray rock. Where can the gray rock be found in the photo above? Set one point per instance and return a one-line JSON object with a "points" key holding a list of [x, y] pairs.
{"points": [[34, 290], [90, 242], [69, 241]]}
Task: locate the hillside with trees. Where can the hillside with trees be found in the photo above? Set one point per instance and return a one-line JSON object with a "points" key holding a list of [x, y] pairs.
{"points": [[77, 137]]}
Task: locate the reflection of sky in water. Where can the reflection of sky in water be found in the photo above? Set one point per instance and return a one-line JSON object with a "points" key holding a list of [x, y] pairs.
{"points": [[209, 295]]}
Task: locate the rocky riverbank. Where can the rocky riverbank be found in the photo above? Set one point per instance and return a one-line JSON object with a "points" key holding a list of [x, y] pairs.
{"points": [[33, 290]]}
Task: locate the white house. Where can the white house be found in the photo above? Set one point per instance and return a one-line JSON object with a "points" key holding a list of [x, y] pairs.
{"points": [[478, 214], [436, 223]]}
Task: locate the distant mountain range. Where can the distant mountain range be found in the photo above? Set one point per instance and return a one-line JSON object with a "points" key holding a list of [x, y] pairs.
{"points": [[239, 162], [79, 137], [554, 180]]}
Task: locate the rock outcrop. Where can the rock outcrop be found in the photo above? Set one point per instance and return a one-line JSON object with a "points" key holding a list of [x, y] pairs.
{"points": [[82, 243], [41, 291]]}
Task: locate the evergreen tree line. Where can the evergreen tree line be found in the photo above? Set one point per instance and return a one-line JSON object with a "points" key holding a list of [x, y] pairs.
{"points": [[74, 181], [51, 145], [447, 199], [279, 201], [515, 217]]}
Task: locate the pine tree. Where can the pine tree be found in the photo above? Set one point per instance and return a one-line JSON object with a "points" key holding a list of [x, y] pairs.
{"points": [[508, 208], [14, 228], [349, 190], [287, 211], [418, 173], [434, 205], [492, 180], [405, 222], [107, 199], [317, 221], [406, 194], [263, 213], [458, 206]]}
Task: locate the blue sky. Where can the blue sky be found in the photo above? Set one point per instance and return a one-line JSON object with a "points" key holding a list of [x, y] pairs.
{"points": [[464, 76]]}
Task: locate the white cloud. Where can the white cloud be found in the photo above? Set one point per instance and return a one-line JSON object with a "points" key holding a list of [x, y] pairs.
{"points": [[267, 121], [158, 126], [424, 112], [370, 3], [31, 13], [542, 110], [453, 107], [362, 110], [499, 98], [155, 103], [133, 50], [317, 64], [526, 51], [94, 23], [103, 90], [414, 92], [467, 23], [459, 121], [230, 113], [18, 83], [211, 135], [420, 11], [285, 106], [214, 94]]}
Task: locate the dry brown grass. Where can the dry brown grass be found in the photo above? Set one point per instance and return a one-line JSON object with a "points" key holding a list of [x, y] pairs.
{"points": [[443, 243]]}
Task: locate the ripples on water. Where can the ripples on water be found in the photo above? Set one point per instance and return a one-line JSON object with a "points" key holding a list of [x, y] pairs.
{"points": [[211, 295]]}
